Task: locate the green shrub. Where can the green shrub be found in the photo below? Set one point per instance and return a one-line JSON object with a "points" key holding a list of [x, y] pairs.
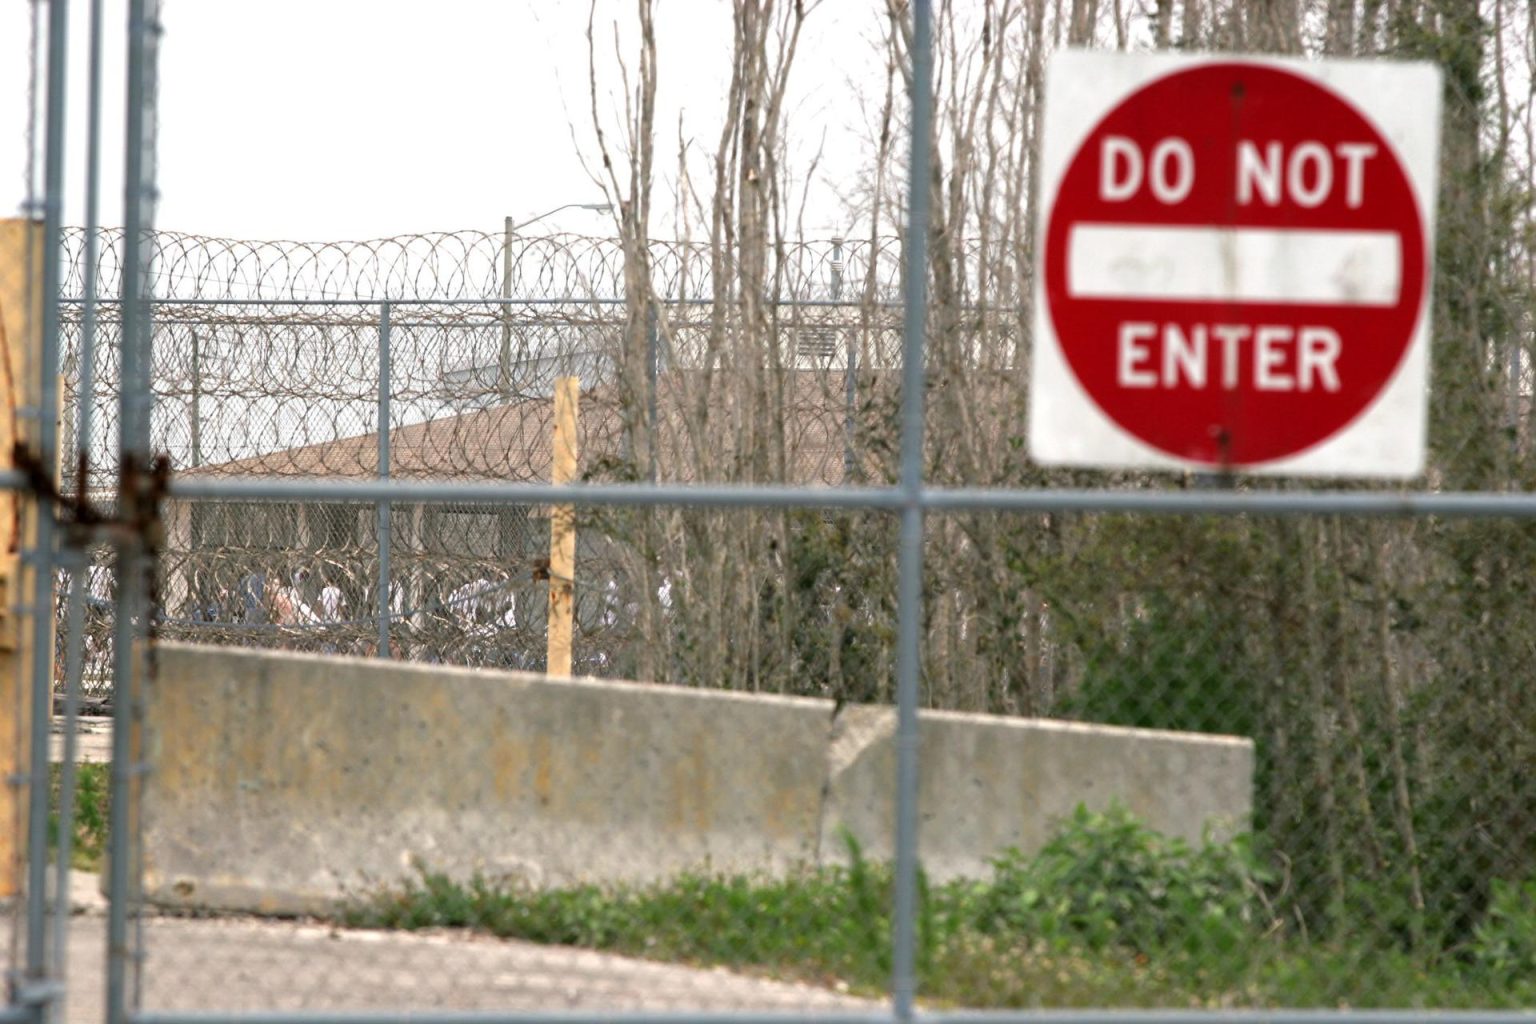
{"points": [[1504, 942], [1109, 912], [1107, 880], [93, 787]]}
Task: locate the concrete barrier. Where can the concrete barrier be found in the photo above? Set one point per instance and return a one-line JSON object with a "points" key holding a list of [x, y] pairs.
{"points": [[987, 783], [281, 782]]}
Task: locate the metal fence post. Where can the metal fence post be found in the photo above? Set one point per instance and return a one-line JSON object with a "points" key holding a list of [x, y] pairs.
{"points": [[910, 556], [504, 354], [42, 553], [851, 367], [85, 403], [78, 558], [383, 510], [195, 458], [651, 356], [130, 662]]}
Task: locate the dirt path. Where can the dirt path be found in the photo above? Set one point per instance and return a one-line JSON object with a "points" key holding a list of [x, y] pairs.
{"points": [[243, 964]]}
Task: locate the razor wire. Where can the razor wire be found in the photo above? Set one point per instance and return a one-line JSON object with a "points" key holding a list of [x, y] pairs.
{"points": [[256, 375], [466, 265], [479, 321]]}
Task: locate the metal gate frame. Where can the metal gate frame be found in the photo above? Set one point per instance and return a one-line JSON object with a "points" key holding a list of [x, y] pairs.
{"points": [[142, 485]]}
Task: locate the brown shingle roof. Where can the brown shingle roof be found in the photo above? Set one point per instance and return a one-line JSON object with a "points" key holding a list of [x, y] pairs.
{"points": [[512, 441]]}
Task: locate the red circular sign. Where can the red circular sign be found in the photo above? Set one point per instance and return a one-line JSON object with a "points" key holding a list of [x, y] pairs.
{"points": [[1234, 264]]}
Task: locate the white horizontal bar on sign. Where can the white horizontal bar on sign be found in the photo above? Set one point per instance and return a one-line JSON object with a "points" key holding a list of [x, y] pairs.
{"points": [[1346, 268]]}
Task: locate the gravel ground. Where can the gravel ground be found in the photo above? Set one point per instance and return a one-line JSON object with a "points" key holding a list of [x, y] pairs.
{"points": [[93, 740], [242, 964]]}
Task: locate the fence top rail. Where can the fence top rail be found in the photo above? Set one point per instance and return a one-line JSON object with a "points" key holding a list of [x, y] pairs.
{"points": [[1449, 505], [546, 300], [934, 499], [1229, 1016], [876, 1016], [871, 1016]]}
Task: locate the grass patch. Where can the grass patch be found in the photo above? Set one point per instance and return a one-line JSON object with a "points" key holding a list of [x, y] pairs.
{"points": [[1107, 914], [93, 785], [824, 927]]}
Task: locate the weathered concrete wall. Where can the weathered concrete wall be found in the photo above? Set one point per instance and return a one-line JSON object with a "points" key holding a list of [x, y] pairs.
{"points": [[21, 303], [987, 783], [281, 781]]}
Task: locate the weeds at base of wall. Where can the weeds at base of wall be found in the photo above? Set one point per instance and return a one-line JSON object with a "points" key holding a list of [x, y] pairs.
{"points": [[93, 788], [1108, 913]]}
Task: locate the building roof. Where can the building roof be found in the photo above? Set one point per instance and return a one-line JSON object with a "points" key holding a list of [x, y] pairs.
{"points": [[744, 438]]}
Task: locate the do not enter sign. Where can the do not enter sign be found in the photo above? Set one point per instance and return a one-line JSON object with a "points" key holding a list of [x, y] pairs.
{"points": [[1234, 264]]}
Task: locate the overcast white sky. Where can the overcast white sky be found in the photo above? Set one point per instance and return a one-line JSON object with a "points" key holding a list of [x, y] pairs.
{"points": [[354, 119]]}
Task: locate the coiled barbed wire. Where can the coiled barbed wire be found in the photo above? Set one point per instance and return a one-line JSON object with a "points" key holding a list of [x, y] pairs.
{"points": [[451, 266], [266, 362]]}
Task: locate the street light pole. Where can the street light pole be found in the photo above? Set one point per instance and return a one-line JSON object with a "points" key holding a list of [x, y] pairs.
{"points": [[594, 207], [504, 361], [509, 229]]}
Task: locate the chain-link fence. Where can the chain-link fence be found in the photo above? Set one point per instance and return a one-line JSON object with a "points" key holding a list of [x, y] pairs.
{"points": [[291, 388], [1377, 664], [1190, 741]]}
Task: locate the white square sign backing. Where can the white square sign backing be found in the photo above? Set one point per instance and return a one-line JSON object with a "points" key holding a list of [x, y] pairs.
{"points": [[1233, 264]]}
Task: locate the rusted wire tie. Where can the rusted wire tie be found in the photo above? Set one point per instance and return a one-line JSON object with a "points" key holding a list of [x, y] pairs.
{"points": [[84, 520]]}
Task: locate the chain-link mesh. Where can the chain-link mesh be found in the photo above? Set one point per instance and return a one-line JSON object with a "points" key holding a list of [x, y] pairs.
{"points": [[291, 388], [1378, 666]]}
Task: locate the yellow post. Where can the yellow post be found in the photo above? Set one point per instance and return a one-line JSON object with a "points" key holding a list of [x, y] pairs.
{"points": [[21, 246], [562, 532]]}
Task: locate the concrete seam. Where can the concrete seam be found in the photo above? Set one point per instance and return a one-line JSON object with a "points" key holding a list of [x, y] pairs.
{"points": [[830, 737], [854, 729]]}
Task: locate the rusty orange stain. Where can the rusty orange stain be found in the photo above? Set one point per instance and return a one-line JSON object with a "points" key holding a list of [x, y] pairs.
{"points": [[543, 787]]}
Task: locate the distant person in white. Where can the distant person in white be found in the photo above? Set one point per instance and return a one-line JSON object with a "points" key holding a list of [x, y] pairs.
{"points": [[611, 603], [332, 603], [481, 603], [288, 606]]}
